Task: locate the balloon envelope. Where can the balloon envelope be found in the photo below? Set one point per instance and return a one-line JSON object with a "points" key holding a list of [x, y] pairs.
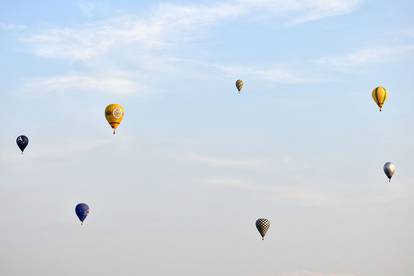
{"points": [[389, 170], [22, 142], [82, 211], [379, 95], [262, 225], [239, 85], [114, 113]]}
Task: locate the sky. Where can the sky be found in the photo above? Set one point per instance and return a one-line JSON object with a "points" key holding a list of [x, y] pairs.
{"points": [[178, 189]]}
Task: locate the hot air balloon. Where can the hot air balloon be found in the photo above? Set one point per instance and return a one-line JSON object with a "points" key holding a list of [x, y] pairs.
{"points": [[389, 169], [114, 113], [239, 85], [22, 142], [82, 211], [380, 95], [262, 226]]}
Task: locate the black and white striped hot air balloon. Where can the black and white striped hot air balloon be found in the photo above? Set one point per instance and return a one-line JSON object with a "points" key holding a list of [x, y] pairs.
{"points": [[262, 225]]}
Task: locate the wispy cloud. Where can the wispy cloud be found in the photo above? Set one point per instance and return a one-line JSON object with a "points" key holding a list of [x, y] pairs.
{"points": [[223, 162], [389, 194], [11, 26], [169, 24], [303, 195], [277, 74], [49, 152], [323, 8], [313, 194], [155, 37], [268, 164], [120, 83], [92, 40], [365, 57], [280, 75]]}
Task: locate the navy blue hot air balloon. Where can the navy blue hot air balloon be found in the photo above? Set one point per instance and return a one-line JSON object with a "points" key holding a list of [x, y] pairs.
{"points": [[22, 142], [82, 211]]}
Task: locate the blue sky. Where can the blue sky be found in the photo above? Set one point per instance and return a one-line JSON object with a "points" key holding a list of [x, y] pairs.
{"points": [[194, 164]]}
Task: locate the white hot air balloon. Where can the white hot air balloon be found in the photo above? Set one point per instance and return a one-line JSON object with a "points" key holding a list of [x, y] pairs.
{"points": [[389, 170]]}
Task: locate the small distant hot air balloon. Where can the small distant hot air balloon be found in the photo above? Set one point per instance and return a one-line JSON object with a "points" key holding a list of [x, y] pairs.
{"points": [[380, 95], [262, 226], [389, 169], [114, 113], [82, 211], [22, 142], [239, 85]]}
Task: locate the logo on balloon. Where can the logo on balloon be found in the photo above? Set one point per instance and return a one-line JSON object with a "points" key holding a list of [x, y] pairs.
{"points": [[117, 113]]}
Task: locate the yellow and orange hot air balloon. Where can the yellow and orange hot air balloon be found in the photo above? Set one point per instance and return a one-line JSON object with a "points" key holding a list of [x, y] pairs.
{"points": [[380, 95], [114, 113]]}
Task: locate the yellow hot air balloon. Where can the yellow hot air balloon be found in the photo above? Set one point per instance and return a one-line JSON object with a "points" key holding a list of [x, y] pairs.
{"points": [[380, 95], [114, 113]]}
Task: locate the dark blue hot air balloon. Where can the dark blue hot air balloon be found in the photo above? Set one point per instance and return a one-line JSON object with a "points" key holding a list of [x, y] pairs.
{"points": [[22, 142], [82, 211]]}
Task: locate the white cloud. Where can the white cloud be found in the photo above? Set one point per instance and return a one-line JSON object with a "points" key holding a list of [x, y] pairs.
{"points": [[389, 194], [276, 74], [92, 40], [272, 74], [282, 76], [163, 28], [301, 194], [50, 152], [269, 164], [96, 39], [223, 162], [366, 57], [324, 8], [171, 23], [11, 27], [120, 83]]}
